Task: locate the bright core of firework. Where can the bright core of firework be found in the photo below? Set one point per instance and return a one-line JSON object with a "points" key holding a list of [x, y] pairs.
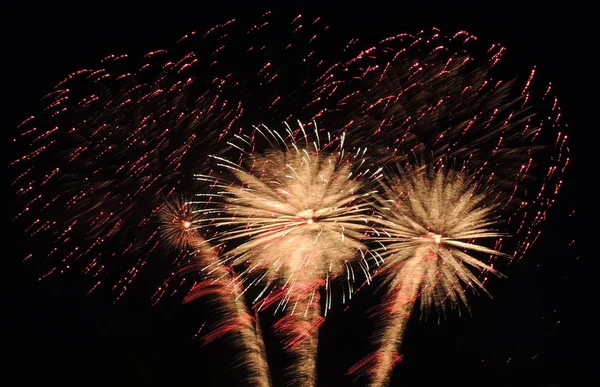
{"points": [[436, 238], [301, 216]]}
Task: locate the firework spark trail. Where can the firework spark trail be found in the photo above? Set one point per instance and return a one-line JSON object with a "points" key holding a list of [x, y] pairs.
{"points": [[295, 216], [431, 220], [118, 146], [219, 283]]}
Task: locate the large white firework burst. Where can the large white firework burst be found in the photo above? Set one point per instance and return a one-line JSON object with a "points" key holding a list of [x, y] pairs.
{"points": [[292, 218], [430, 224], [294, 213]]}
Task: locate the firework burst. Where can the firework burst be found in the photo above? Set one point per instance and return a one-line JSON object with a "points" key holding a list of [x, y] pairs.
{"points": [[292, 218], [443, 99], [177, 217], [431, 223]]}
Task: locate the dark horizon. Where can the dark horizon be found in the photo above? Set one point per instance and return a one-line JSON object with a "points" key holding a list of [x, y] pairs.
{"points": [[533, 332]]}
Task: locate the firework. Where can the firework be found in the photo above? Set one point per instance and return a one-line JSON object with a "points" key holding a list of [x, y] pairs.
{"points": [[177, 217], [443, 100], [293, 218], [218, 283], [96, 182], [431, 225], [117, 141], [287, 215]]}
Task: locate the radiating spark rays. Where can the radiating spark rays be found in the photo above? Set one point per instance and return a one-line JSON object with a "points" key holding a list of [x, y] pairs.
{"points": [[272, 210], [177, 218], [432, 220], [456, 110]]}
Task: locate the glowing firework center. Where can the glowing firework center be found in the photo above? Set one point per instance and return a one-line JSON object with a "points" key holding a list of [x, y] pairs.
{"points": [[307, 216]]}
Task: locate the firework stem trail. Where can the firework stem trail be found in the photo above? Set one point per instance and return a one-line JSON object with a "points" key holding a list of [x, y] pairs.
{"points": [[299, 332], [235, 317], [399, 308]]}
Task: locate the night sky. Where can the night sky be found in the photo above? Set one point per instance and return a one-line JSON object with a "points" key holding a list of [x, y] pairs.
{"points": [[534, 332]]}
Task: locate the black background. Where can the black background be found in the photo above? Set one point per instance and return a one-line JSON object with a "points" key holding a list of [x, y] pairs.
{"points": [[536, 330]]}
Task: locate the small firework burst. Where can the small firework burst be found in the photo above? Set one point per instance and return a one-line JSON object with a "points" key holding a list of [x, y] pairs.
{"points": [[176, 220]]}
